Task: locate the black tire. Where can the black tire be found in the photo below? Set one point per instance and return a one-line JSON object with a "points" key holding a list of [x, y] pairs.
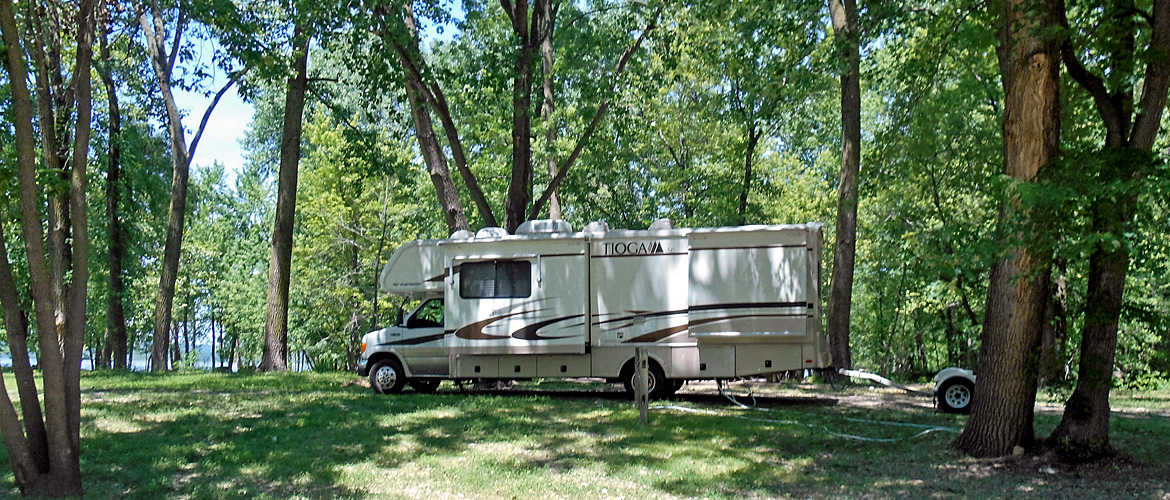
{"points": [[425, 385], [387, 376], [658, 387], [955, 395]]}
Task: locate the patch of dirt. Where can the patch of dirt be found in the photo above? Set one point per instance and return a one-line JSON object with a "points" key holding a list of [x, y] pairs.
{"points": [[359, 382]]}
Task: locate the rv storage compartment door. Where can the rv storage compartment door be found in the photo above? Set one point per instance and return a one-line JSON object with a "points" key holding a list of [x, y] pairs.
{"points": [[517, 296], [749, 285]]}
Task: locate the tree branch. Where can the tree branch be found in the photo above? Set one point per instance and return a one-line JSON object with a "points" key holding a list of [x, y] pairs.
{"points": [[207, 115], [538, 8], [563, 170], [179, 25], [1153, 99], [438, 102], [1092, 83], [509, 9]]}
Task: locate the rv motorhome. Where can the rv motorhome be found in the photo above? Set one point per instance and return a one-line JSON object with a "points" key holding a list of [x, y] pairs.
{"points": [[547, 302]]}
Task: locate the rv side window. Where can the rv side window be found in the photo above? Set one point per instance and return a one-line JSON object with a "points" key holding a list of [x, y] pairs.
{"points": [[495, 279]]}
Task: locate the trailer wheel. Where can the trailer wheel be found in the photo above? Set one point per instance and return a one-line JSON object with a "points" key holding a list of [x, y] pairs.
{"points": [[657, 386], [425, 385], [955, 395], [387, 377]]}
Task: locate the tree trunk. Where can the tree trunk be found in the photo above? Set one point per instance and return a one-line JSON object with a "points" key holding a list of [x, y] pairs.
{"points": [[1052, 338], [176, 342], [547, 24], [16, 327], [749, 154], [78, 291], [275, 356], [424, 131], [951, 334], [418, 96], [188, 316], [211, 334], [60, 318], [845, 19], [231, 356], [1083, 433], [520, 186], [152, 28], [432, 153], [408, 54], [1002, 411], [55, 104]]}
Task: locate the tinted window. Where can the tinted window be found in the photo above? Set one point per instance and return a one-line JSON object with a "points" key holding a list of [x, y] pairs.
{"points": [[495, 279]]}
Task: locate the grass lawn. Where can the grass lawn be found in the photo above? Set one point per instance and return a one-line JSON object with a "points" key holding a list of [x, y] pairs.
{"points": [[208, 435]]}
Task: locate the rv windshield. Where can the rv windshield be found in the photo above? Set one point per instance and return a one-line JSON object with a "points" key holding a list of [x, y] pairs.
{"points": [[428, 315]]}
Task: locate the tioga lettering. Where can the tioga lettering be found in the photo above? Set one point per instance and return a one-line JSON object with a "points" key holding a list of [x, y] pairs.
{"points": [[633, 248]]}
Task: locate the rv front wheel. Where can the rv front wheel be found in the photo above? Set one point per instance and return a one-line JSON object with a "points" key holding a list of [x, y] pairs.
{"points": [[386, 377], [656, 384]]}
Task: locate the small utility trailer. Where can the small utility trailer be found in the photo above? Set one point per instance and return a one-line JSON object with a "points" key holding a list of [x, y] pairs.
{"points": [[550, 302]]}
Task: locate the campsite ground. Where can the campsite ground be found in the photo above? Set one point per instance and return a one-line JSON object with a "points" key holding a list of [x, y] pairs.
{"points": [[204, 435]]}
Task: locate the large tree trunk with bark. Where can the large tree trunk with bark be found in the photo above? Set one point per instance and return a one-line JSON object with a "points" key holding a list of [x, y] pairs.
{"points": [[845, 19], [275, 355], [1083, 433], [1002, 411], [16, 327]]}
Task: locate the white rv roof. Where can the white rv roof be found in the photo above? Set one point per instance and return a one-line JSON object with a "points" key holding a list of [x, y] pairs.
{"points": [[417, 267]]}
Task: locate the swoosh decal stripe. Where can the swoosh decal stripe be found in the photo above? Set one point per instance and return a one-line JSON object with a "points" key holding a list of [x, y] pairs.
{"points": [[707, 307], [474, 331], [530, 332], [657, 335], [417, 340]]}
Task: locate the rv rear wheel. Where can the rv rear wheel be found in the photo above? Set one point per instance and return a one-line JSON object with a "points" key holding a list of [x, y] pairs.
{"points": [[657, 386], [955, 395], [425, 385], [387, 377]]}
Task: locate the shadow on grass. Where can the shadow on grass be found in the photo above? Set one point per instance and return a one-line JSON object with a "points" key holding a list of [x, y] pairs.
{"points": [[231, 441], [233, 436]]}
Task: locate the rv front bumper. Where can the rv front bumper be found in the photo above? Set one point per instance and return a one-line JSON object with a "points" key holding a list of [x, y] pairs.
{"points": [[363, 367]]}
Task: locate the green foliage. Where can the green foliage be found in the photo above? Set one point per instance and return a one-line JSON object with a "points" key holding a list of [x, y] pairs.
{"points": [[674, 144], [929, 191]]}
